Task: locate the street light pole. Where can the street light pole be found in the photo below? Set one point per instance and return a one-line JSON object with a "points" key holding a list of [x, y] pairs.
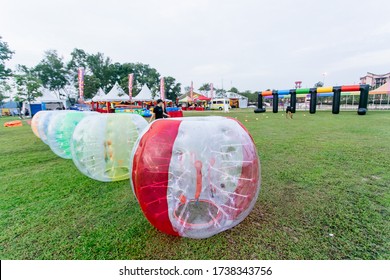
{"points": [[324, 75]]}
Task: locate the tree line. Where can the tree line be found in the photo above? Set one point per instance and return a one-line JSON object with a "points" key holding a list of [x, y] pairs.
{"points": [[61, 77], [56, 74]]}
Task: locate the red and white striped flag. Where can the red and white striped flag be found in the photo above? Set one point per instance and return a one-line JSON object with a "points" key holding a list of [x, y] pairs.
{"points": [[131, 77], [162, 89], [211, 91], [192, 90], [81, 83]]}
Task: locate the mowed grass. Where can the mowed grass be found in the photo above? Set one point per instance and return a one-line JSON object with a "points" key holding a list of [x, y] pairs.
{"points": [[325, 194]]}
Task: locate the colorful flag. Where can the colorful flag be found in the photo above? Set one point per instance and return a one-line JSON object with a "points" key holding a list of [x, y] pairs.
{"points": [[192, 90], [211, 91], [81, 83], [131, 77], [162, 89]]}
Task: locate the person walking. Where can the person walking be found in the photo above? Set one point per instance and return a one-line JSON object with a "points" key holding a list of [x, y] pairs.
{"points": [[159, 111], [289, 113]]}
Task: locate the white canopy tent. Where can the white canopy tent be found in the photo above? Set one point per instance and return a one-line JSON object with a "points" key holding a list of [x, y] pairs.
{"points": [[116, 94], [48, 101], [242, 100], [100, 96], [47, 98], [144, 95]]}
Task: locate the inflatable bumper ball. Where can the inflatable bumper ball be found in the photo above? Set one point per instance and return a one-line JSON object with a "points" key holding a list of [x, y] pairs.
{"points": [[35, 122], [195, 177], [43, 125], [101, 145], [60, 131]]}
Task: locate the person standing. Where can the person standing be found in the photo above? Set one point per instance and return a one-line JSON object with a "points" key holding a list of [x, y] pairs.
{"points": [[289, 113], [226, 105], [159, 111]]}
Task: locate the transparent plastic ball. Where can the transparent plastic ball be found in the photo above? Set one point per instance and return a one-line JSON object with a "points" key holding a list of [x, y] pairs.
{"points": [[101, 145], [195, 177], [35, 122], [43, 125], [60, 131]]}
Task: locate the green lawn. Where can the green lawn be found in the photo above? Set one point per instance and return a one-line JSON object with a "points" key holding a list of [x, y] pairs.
{"points": [[325, 195]]}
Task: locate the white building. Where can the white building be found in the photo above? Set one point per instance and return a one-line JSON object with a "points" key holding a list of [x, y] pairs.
{"points": [[375, 80]]}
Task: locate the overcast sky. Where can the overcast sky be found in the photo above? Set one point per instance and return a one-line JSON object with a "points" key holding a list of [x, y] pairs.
{"points": [[252, 45]]}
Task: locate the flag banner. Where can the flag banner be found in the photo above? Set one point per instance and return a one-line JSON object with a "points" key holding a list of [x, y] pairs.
{"points": [[211, 91], [131, 77], [162, 89], [81, 82], [192, 90]]}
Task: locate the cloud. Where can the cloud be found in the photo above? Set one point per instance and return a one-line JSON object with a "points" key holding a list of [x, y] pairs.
{"points": [[212, 69], [363, 60]]}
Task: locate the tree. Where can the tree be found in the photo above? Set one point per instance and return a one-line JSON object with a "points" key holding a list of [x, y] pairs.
{"points": [[233, 89], [2, 97], [52, 72], [28, 84], [101, 70], [205, 87], [220, 92], [145, 75], [319, 84], [78, 59], [172, 89], [252, 96], [5, 54], [91, 86]]}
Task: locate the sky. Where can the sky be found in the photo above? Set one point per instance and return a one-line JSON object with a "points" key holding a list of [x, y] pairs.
{"points": [[247, 44]]}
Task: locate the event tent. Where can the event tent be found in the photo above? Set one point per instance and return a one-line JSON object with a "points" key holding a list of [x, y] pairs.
{"points": [[116, 94], [195, 96], [48, 101], [100, 95], [9, 103], [145, 95], [242, 100], [383, 89], [202, 98]]}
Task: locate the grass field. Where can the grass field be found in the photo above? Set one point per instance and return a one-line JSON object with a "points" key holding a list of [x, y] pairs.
{"points": [[325, 195]]}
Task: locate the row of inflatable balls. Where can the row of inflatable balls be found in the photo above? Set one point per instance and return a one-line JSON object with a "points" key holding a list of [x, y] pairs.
{"points": [[192, 177]]}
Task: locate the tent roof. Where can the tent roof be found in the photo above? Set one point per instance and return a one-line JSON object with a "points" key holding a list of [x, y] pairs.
{"points": [[185, 99], [383, 89], [202, 98], [47, 96], [230, 94], [144, 95], [9, 103], [100, 95], [116, 94], [195, 96]]}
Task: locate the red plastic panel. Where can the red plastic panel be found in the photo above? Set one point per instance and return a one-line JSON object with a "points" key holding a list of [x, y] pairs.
{"points": [[150, 173]]}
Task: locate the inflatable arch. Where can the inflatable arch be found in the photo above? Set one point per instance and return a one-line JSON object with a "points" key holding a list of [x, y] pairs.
{"points": [[336, 90]]}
